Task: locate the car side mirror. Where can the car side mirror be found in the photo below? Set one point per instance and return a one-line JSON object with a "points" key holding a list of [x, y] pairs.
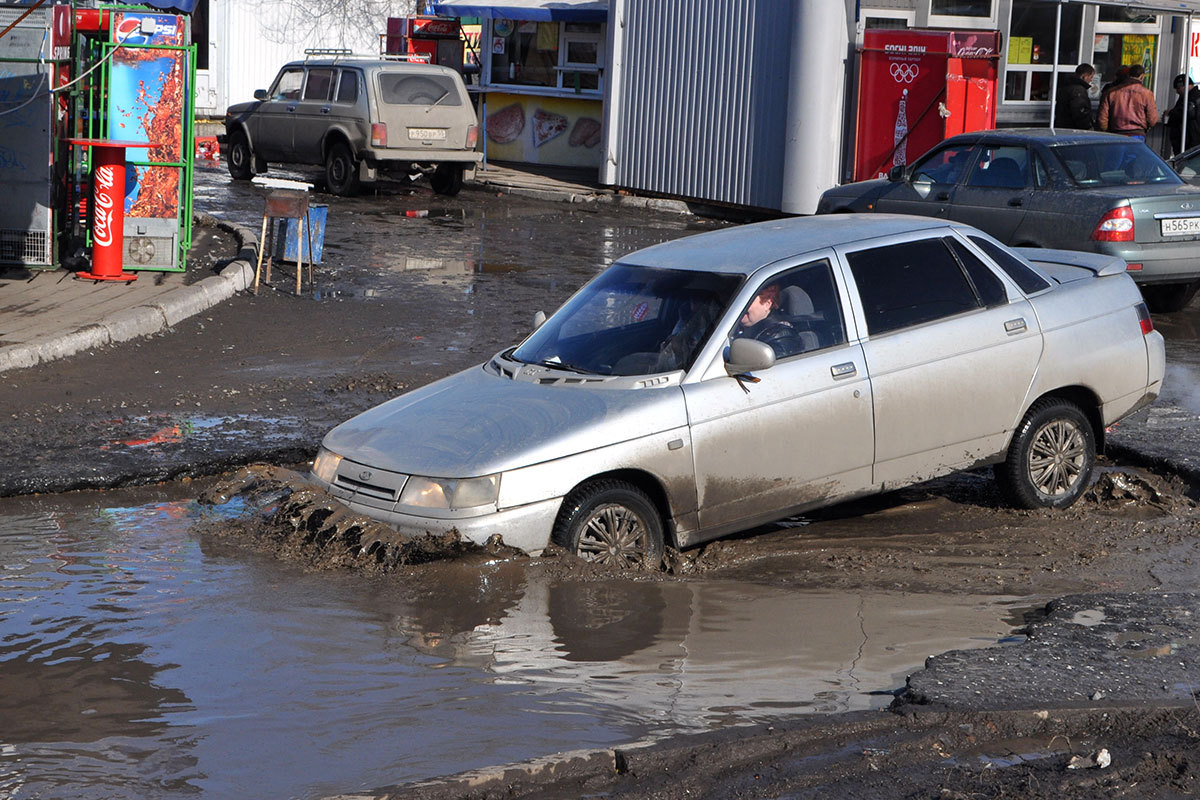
{"points": [[896, 173], [748, 355], [539, 319], [260, 94]]}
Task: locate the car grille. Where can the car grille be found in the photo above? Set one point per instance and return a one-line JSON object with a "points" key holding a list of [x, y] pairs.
{"points": [[367, 481]]}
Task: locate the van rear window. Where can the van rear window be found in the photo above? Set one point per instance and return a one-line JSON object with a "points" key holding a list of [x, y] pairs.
{"points": [[399, 89]]}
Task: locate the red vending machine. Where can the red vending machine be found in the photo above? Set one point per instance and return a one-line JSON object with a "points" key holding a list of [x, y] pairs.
{"points": [[436, 40], [917, 87]]}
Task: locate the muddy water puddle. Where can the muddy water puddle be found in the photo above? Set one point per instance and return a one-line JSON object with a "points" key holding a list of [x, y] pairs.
{"points": [[139, 659]]}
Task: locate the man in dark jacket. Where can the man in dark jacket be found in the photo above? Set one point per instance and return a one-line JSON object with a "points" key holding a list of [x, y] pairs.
{"points": [[1174, 118], [1074, 107]]}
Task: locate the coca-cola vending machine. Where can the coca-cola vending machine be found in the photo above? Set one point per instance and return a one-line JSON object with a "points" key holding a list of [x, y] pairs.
{"points": [[434, 40], [917, 87]]}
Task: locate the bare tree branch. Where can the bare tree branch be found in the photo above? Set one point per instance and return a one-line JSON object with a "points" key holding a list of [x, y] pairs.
{"points": [[352, 24]]}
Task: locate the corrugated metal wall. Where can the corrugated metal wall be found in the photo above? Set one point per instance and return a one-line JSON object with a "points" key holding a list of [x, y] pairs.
{"points": [[703, 98]]}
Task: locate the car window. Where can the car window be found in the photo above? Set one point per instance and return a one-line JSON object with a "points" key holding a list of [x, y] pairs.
{"points": [[945, 166], [347, 91], [1041, 175], [988, 287], [319, 84], [287, 85], [796, 312], [397, 88], [633, 321], [1022, 275], [1125, 163], [1000, 168], [909, 283]]}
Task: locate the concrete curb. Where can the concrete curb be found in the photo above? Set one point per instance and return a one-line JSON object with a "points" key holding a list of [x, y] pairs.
{"points": [[148, 318]]}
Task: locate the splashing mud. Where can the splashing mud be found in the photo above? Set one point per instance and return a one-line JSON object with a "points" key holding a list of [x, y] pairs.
{"points": [[283, 514], [1119, 488]]}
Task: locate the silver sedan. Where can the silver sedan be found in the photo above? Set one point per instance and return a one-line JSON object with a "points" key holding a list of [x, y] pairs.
{"points": [[717, 382]]}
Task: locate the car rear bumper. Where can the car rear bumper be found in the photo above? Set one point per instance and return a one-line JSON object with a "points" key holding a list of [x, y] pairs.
{"points": [[1162, 262], [408, 155], [526, 528]]}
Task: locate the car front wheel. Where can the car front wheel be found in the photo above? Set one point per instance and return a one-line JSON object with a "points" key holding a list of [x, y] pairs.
{"points": [[1051, 458], [240, 157], [341, 170], [1169, 297], [611, 522], [447, 179]]}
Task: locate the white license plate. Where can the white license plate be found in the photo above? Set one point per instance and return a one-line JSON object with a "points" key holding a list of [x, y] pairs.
{"points": [[438, 134], [1180, 226]]}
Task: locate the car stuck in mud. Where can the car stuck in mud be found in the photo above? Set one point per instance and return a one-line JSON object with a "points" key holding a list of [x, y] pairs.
{"points": [[707, 385]]}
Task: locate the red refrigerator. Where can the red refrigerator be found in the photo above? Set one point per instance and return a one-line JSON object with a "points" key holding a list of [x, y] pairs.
{"points": [[917, 87]]}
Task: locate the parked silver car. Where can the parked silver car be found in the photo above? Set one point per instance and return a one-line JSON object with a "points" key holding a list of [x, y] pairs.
{"points": [[720, 381], [360, 118], [1036, 187]]}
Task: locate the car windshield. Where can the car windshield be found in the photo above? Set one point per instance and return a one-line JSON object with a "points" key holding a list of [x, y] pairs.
{"points": [[633, 321], [1114, 164]]}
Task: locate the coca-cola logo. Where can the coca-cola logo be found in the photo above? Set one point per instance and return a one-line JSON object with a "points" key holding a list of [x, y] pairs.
{"points": [[106, 201], [974, 52]]}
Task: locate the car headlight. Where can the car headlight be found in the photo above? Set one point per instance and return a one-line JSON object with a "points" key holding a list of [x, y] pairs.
{"points": [[450, 493], [325, 465]]}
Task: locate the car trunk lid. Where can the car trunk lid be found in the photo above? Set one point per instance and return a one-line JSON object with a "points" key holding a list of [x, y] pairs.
{"points": [[1160, 213], [427, 111], [1071, 265]]}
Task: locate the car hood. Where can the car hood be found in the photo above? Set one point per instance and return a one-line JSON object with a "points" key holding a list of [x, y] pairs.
{"points": [[477, 423], [242, 108]]}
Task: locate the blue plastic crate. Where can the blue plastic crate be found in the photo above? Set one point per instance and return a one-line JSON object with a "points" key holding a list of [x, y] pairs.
{"points": [[287, 236]]}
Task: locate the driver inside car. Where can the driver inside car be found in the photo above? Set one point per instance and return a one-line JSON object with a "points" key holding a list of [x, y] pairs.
{"points": [[763, 321]]}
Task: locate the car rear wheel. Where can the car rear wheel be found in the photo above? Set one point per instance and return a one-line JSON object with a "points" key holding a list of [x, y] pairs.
{"points": [[447, 179], [611, 522], [240, 157], [1169, 297], [1051, 457], [341, 170]]}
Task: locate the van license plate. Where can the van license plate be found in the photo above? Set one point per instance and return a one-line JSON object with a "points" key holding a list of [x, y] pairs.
{"points": [[439, 134], [1180, 226]]}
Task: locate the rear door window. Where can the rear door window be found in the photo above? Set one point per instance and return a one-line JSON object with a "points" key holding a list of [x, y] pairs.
{"points": [[910, 283], [987, 286], [398, 88], [1022, 275], [347, 91], [319, 85]]}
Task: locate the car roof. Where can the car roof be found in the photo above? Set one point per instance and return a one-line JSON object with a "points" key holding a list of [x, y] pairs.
{"points": [[1049, 137], [368, 62], [746, 248]]}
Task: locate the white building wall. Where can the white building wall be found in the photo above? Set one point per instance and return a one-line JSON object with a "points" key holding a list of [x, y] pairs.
{"points": [[250, 39]]}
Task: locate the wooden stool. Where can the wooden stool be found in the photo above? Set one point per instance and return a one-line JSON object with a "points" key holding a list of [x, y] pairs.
{"points": [[285, 204]]}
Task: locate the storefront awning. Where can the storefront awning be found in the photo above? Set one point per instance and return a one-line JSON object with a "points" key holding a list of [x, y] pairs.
{"points": [[541, 10]]}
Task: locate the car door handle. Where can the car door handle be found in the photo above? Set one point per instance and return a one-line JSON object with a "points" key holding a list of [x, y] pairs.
{"points": [[291, 108], [1015, 325], [1016, 201], [325, 109], [942, 196], [843, 370]]}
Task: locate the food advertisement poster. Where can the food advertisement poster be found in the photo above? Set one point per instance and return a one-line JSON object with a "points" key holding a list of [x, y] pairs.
{"points": [[544, 130], [146, 104]]}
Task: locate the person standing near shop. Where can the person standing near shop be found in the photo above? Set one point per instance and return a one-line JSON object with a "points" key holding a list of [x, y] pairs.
{"points": [[1174, 117], [1074, 107], [1129, 108]]}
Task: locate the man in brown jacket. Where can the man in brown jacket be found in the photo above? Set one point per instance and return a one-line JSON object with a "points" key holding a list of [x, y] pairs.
{"points": [[1129, 108]]}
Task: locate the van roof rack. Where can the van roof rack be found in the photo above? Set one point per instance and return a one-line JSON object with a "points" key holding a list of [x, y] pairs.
{"points": [[419, 58], [327, 51]]}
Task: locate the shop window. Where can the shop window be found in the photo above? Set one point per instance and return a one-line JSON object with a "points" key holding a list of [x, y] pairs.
{"points": [[1032, 65], [1111, 51], [1127, 15], [879, 20], [961, 8], [550, 54]]}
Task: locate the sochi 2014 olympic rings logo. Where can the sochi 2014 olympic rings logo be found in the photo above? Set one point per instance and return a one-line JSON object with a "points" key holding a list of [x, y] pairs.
{"points": [[905, 73]]}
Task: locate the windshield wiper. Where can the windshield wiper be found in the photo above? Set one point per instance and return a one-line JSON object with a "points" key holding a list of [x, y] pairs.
{"points": [[445, 94], [558, 364]]}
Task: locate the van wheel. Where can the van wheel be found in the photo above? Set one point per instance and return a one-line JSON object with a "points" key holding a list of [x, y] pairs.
{"points": [[341, 171], [447, 179], [240, 157], [1169, 297], [1051, 458], [611, 522]]}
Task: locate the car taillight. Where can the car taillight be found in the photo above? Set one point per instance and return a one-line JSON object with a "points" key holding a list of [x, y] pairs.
{"points": [[378, 134], [472, 136], [1144, 318], [1115, 226]]}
